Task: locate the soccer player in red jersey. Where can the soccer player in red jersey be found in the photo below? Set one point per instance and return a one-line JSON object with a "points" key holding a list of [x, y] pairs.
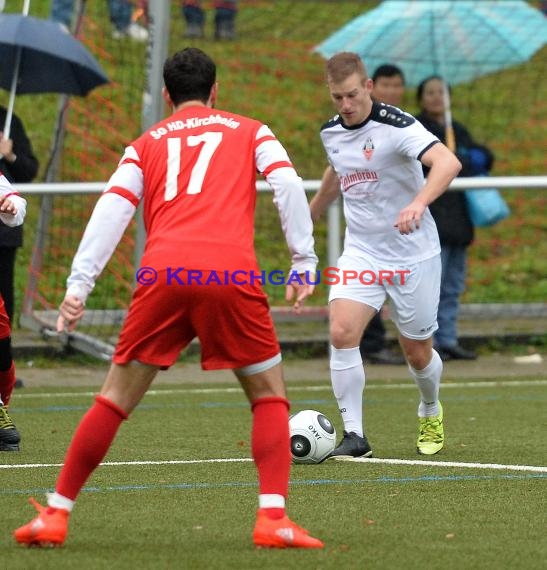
{"points": [[12, 213], [196, 175]]}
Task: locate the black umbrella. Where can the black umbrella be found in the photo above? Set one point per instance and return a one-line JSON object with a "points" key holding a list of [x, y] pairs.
{"points": [[37, 56]]}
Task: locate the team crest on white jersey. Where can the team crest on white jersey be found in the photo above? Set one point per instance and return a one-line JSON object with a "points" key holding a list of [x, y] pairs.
{"points": [[368, 149]]}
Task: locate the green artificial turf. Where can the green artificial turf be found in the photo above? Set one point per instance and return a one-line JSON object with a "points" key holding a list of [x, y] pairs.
{"points": [[187, 511]]}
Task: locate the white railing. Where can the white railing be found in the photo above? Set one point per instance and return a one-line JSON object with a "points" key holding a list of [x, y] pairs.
{"points": [[457, 184], [333, 221]]}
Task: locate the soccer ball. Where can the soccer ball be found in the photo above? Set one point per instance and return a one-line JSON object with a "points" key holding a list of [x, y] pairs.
{"points": [[313, 437]]}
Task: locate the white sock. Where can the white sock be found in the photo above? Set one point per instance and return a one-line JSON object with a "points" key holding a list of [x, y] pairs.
{"points": [[348, 384], [59, 502], [271, 501], [428, 381]]}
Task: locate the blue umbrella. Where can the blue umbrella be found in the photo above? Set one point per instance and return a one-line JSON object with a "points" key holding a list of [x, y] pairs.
{"points": [[37, 56], [458, 40]]}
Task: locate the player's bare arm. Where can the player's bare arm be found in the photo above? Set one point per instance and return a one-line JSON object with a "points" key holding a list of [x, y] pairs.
{"points": [[326, 195], [444, 167]]}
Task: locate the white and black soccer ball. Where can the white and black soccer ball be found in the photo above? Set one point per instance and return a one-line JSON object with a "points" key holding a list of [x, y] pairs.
{"points": [[313, 437]]}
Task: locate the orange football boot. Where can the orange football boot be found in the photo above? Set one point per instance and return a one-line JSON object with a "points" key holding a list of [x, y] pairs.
{"points": [[49, 528], [281, 533]]}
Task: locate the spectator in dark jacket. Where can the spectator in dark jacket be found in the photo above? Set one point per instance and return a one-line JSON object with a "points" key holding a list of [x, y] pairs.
{"points": [[451, 215], [19, 165]]}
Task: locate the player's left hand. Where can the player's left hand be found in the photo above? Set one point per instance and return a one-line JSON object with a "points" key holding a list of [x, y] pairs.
{"points": [[410, 217], [300, 290], [70, 312]]}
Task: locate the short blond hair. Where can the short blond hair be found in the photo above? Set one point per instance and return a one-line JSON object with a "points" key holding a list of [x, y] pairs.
{"points": [[341, 65]]}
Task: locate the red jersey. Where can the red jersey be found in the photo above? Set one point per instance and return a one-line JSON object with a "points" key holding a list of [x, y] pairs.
{"points": [[196, 175], [199, 177]]}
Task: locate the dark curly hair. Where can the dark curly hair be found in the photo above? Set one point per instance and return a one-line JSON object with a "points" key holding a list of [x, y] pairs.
{"points": [[189, 75]]}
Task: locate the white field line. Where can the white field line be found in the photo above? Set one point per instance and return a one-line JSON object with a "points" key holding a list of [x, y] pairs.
{"points": [[494, 466], [322, 388], [133, 463], [459, 464]]}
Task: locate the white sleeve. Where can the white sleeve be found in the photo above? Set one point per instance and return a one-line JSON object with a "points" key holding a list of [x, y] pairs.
{"points": [[17, 220], [413, 139], [105, 228], [108, 222], [6, 189], [290, 198]]}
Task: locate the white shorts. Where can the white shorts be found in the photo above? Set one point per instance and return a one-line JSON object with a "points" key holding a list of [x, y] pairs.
{"points": [[412, 289]]}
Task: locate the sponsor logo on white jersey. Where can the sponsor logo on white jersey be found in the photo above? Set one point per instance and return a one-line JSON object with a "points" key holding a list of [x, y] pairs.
{"points": [[357, 177]]}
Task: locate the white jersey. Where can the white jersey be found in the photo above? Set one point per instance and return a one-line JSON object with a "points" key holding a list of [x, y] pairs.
{"points": [[378, 165]]}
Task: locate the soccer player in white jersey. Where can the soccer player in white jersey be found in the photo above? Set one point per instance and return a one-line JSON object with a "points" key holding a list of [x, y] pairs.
{"points": [[391, 246]]}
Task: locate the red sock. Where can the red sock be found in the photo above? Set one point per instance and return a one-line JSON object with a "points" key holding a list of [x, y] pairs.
{"points": [[7, 382], [89, 445], [271, 448]]}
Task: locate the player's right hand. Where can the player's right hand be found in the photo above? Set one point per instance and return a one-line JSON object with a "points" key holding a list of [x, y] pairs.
{"points": [[298, 291], [7, 206], [71, 311]]}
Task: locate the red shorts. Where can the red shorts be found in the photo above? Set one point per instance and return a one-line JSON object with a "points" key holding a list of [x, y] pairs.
{"points": [[233, 324], [5, 329]]}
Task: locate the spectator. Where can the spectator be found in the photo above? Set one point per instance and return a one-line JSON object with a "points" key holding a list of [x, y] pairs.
{"points": [[19, 165], [198, 186], [225, 15], [389, 85], [450, 213], [120, 11]]}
